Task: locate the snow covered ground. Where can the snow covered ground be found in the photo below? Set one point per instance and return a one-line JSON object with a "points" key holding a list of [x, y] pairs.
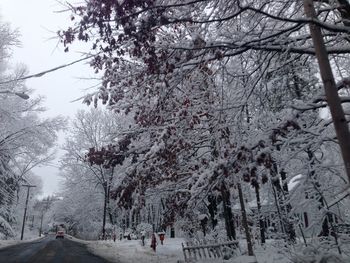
{"points": [[28, 238], [131, 251]]}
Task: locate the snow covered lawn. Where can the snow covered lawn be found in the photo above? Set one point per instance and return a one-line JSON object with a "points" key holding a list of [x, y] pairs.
{"points": [[132, 251], [128, 251]]}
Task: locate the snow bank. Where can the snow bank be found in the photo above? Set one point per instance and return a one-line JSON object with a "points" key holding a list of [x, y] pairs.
{"points": [[128, 251], [132, 251], [6, 243], [86, 242]]}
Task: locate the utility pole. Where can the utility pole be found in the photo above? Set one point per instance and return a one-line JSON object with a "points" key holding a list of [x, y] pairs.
{"points": [[25, 208]]}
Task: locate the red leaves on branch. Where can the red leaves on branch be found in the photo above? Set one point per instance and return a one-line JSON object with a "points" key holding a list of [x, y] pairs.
{"points": [[109, 156]]}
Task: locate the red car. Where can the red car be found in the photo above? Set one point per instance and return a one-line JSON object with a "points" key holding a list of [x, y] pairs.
{"points": [[59, 234]]}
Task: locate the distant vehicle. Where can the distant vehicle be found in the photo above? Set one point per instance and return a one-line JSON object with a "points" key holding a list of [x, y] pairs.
{"points": [[60, 234]]}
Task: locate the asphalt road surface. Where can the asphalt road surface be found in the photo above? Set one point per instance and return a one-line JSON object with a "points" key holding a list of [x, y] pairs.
{"points": [[49, 250]]}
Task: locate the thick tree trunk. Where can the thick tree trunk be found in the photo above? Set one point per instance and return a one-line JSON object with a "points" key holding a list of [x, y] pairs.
{"points": [[204, 225], [41, 224], [333, 100], [108, 207], [229, 224], [104, 214], [261, 220], [212, 208], [245, 221]]}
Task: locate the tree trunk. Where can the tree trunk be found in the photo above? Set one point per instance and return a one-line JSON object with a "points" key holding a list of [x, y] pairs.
{"points": [[245, 222], [108, 207], [282, 203], [312, 175], [287, 207], [332, 96], [108, 188], [41, 223], [261, 220], [278, 209], [325, 232], [212, 208], [204, 225], [229, 224], [104, 214]]}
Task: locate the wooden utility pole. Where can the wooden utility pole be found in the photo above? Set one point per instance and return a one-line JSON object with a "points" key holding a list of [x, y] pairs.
{"points": [[331, 91], [25, 208]]}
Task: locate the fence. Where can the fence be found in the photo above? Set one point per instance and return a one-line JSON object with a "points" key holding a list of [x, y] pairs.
{"points": [[203, 250]]}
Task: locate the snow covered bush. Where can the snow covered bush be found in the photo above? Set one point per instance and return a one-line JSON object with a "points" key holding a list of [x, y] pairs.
{"points": [[191, 229], [229, 252], [6, 230], [314, 255]]}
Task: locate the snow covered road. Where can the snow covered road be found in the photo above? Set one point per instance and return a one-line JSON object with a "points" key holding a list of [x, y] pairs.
{"points": [[49, 250]]}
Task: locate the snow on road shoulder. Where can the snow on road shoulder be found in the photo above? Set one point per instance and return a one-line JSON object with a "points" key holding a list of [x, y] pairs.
{"points": [[86, 242], [11, 242], [131, 251], [6, 243]]}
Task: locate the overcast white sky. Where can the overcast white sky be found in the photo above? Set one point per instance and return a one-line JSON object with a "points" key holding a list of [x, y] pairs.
{"points": [[37, 22]]}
